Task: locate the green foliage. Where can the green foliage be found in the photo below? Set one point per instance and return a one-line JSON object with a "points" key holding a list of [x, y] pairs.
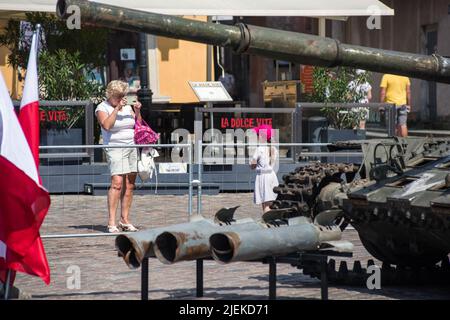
{"points": [[9, 38], [66, 61], [332, 86], [90, 42], [63, 77]]}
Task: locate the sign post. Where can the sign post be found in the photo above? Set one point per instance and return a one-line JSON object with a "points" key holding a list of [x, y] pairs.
{"points": [[208, 93]]}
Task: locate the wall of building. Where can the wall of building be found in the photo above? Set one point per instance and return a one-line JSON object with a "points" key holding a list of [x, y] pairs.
{"points": [[8, 73], [406, 31], [179, 62]]}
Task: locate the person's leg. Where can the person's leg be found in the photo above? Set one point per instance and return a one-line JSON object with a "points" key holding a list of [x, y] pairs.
{"points": [[113, 198], [266, 206], [398, 131], [402, 127], [130, 180], [403, 131], [124, 187]]}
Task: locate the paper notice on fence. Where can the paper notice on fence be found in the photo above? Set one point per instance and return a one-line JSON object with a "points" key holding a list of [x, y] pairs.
{"points": [[170, 167]]}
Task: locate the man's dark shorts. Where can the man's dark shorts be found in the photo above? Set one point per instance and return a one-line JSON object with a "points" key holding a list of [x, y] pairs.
{"points": [[402, 115]]}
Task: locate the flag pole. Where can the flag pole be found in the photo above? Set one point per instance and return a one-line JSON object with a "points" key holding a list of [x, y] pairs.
{"points": [[7, 283], [38, 29], [38, 41]]}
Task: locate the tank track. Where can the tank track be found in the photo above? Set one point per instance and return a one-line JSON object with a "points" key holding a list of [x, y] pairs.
{"points": [[297, 195], [437, 275]]}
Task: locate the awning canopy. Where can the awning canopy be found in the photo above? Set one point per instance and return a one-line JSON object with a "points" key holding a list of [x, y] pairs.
{"points": [[317, 8]]}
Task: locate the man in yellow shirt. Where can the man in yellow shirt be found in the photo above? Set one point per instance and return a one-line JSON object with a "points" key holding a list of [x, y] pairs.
{"points": [[397, 90]]}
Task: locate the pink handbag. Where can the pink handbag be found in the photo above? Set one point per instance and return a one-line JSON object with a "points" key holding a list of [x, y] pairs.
{"points": [[143, 134]]}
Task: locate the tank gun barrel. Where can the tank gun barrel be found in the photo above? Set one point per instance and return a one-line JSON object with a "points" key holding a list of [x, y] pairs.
{"points": [[272, 43]]}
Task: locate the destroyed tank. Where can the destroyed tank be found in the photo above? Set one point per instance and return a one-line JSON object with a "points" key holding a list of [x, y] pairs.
{"points": [[397, 198]]}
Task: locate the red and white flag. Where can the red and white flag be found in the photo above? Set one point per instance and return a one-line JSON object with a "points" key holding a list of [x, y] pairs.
{"points": [[24, 201], [29, 106]]}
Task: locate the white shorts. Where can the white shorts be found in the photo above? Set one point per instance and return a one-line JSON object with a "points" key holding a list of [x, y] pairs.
{"points": [[121, 160]]}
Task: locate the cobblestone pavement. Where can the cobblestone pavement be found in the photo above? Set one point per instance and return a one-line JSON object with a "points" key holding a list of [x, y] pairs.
{"points": [[105, 276]]}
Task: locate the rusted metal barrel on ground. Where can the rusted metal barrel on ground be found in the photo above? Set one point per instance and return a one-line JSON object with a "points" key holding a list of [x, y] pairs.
{"points": [[134, 247], [233, 246], [170, 244], [188, 244]]}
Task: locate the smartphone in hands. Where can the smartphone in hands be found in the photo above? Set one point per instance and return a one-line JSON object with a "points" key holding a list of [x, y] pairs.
{"points": [[131, 100]]}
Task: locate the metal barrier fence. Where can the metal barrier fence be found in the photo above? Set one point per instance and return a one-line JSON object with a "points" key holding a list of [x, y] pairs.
{"points": [[198, 181], [76, 171], [295, 115], [343, 156], [391, 109], [54, 113]]}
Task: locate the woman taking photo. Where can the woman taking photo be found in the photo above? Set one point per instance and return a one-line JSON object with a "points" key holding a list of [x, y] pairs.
{"points": [[117, 120]]}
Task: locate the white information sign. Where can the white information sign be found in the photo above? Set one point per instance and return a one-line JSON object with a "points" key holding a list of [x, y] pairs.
{"points": [[128, 54], [172, 167], [212, 91]]}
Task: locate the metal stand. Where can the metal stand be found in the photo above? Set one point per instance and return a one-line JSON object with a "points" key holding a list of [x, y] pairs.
{"points": [[144, 279], [272, 278], [300, 260], [324, 280], [199, 278], [7, 284]]}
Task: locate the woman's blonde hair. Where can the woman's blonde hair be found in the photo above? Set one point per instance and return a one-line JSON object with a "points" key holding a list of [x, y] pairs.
{"points": [[116, 88]]}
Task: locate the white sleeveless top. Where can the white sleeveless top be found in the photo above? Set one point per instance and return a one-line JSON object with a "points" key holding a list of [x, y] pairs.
{"points": [[123, 130]]}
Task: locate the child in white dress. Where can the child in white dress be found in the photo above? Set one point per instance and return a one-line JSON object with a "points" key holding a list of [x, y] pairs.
{"points": [[263, 161]]}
